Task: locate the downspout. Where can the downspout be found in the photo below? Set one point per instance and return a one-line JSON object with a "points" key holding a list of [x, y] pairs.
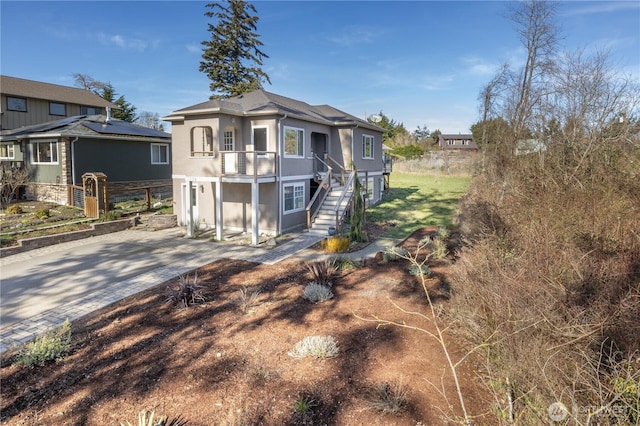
{"points": [[73, 161], [352, 146], [279, 151]]}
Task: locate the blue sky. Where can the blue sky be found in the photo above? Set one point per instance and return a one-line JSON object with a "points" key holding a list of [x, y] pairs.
{"points": [[419, 62]]}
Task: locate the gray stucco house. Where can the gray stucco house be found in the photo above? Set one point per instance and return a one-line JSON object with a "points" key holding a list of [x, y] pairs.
{"points": [[57, 154], [267, 164]]}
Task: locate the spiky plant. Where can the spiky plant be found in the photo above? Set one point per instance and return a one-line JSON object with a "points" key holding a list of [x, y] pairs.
{"points": [[187, 294], [315, 347], [322, 271], [146, 418]]}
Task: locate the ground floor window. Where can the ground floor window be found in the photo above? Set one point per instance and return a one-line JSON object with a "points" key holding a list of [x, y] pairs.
{"points": [[293, 197], [159, 154], [44, 152], [7, 152]]}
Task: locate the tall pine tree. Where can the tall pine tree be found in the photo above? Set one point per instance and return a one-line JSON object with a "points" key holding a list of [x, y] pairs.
{"points": [[232, 59]]}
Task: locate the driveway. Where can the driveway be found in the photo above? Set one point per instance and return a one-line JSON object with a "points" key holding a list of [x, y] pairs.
{"points": [[39, 289]]}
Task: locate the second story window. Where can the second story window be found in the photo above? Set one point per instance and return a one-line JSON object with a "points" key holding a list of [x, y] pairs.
{"points": [[259, 139], [367, 146], [87, 110], [201, 142], [293, 142], [228, 143], [57, 109], [16, 104]]}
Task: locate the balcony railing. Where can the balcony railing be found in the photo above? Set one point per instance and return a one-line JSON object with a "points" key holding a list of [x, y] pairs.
{"points": [[248, 163]]}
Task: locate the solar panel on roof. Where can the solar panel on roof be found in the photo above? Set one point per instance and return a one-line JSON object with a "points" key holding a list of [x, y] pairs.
{"points": [[44, 127], [123, 128]]}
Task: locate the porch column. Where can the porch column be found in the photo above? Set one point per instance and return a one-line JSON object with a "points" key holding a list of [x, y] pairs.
{"points": [[219, 217], [255, 215], [189, 201]]}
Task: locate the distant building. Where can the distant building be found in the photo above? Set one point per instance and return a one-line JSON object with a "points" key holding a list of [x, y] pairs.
{"points": [[458, 142], [27, 102]]}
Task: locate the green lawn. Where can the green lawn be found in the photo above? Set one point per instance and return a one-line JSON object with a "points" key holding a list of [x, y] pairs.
{"points": [[416, 201]]}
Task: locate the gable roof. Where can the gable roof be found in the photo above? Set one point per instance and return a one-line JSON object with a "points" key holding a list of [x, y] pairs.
{"points": [[92, 126], [12, 86], [466, 136], [261, 102]]}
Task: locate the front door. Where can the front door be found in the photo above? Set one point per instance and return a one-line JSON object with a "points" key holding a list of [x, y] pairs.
{"points": [[186, 219]]}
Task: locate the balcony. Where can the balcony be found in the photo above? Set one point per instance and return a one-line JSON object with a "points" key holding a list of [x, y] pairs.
{"points": [[248, 164]]}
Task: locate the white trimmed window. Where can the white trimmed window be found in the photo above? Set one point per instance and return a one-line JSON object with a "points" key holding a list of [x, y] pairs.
{"points": [[7, 151], [159, 153], [259, 138], [228, 140], [45, 152], [293, 197], [370, 189], [367, 146], [56, 108], [293, 142], [201, 142]]}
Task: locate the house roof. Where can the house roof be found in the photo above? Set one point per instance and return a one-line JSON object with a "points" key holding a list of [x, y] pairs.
{"points": [[88, 126], [460, 136], [261, 102], [12, 86]]}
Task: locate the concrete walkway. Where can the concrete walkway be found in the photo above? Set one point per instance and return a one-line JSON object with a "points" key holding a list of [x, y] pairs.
{"points": [[41, 288]]}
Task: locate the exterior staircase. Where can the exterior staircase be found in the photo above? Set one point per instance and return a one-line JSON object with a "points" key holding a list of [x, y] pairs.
{"points": [[338, 199]]}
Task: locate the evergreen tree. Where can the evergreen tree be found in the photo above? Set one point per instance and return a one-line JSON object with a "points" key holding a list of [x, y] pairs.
{"points": [[232, 58], [126, 111], [356, 233]]}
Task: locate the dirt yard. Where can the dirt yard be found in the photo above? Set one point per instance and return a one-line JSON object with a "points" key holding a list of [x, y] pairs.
{"points": [[226, 362]]}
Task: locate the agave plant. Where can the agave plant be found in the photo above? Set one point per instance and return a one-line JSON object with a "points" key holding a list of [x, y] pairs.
{"points": [[187, 294]]}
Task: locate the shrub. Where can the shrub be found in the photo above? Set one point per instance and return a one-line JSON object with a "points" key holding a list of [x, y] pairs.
{"points": [[394, 253], [42, 214], [14, 209], [50, 346], [111, 215], [322, 271], [418, 270], [388, 398], [304, 404], [146, 418], [317, 293], [336, 244], [344, 263], [315, 347], [247, 299], [187, 294]]}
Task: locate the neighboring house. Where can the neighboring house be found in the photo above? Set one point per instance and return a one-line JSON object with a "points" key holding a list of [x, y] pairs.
{"points": [[58, 153], [266, 164], [26, 102], [529, 146], [463, 142]]}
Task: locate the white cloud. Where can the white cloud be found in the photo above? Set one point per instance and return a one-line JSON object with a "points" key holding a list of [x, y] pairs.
{"points": [[601, 7], [193, 48], [354, 35], [122, 42], [478, 66]]}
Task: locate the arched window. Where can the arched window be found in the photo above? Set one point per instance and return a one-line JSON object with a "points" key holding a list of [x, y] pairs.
{"points": [[201, 141]]}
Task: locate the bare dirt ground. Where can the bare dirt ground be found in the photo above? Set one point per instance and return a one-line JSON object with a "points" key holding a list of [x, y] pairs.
{"points": [[225, 361]]}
